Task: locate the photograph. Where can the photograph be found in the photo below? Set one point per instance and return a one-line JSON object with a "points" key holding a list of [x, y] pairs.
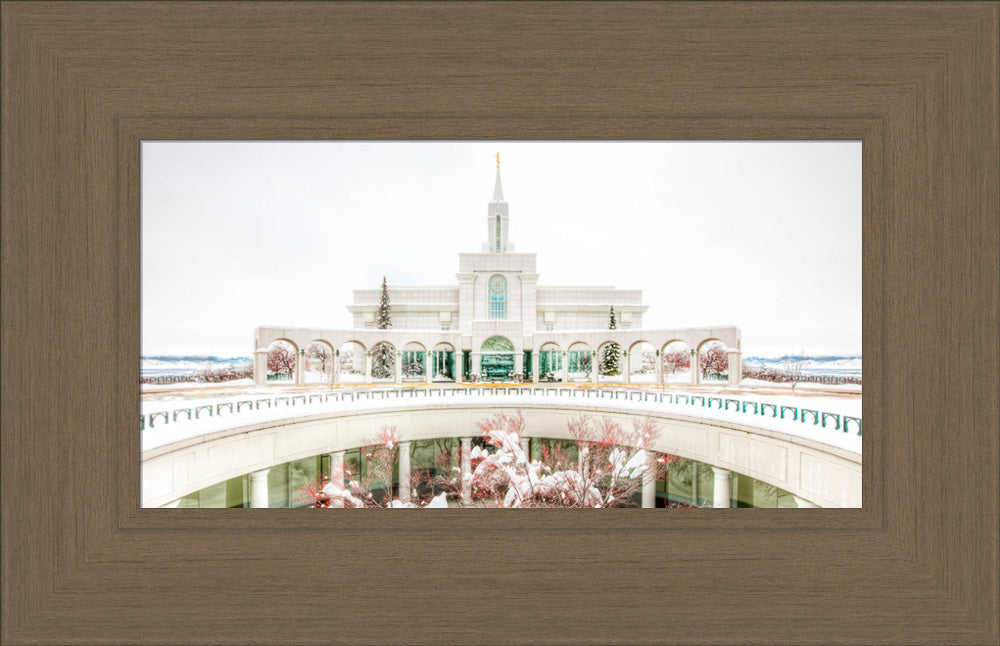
{"points": [[645, 324]]}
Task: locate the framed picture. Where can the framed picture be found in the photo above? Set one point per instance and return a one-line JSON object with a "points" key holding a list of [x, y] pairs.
{"points": [[85, 84], [531, 372]]}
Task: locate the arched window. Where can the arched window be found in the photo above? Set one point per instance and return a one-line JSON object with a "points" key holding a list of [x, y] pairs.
{"points": [[498, 234], [498, 297]]}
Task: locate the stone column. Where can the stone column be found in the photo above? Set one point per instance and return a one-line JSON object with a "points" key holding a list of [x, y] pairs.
{"points": [[366, 360], [626, 367], [658, 370], [428, 367], [300, 368], [466, 470], [337, 468], [398, 368], [648, 483], [260, 367], [593, 367], [337, 473], [404, 471], [460, 367], [565, 367], [804, 504], [258, 489], [526, 446], [475, 364], [335, 368], [518, 362], [722, 494], [735, 367], [695, 368], [534, 366]]}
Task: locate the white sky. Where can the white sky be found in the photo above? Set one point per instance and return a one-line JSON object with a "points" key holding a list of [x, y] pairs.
{"points": [[762, 235]]}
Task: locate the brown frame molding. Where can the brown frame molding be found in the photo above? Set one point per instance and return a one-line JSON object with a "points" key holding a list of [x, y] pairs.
{"points": [[84, 83]]}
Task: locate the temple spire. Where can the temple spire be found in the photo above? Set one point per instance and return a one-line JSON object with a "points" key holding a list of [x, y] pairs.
{"points": [[498, 189]]}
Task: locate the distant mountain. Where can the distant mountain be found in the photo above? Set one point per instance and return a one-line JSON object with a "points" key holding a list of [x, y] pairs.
{"points": [[181, 365], [794, 357], [192, 357], [834, 365]]}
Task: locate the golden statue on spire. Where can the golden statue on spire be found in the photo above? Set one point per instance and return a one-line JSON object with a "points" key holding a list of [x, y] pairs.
{"points": [[498, 161]]}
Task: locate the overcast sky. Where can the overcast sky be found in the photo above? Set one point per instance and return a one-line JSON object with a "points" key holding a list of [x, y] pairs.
{"points": [[762, 235]]}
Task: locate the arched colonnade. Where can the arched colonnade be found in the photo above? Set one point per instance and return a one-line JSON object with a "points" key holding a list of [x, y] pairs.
{"points": [[557, 356]]}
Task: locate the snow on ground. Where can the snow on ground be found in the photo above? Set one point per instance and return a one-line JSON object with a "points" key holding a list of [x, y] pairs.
{"points": [[779, 394]]}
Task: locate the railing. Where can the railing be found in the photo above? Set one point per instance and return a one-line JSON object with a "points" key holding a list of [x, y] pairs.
{"points": [[167, 379], [746, 407], [776, 376]]}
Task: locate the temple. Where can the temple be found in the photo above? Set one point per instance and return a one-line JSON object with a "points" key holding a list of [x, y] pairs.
{"points": [[498, 323]]}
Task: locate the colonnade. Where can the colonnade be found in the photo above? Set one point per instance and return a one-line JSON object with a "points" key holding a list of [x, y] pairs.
{"points": [[260, 367], [721, 495]]}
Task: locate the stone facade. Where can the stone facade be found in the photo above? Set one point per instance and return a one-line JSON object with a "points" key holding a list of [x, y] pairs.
{"points": [[497, 295]]}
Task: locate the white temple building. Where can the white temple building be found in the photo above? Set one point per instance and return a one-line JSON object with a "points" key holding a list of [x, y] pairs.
{"points": [[497, 322]]}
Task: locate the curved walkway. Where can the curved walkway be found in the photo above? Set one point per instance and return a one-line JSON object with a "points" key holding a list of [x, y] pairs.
{"points": [[184, 457]]}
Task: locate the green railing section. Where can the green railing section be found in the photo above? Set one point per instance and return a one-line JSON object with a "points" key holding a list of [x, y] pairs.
{"points": [[839, 422]]}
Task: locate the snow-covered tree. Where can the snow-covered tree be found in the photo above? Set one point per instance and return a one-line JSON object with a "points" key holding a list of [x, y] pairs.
{"points": [[792, 365], [384, 321], [374, 487], [611, 355], [281, 359], [675, 360], [321, 354], [608, 471], [714, 360], [383, 356], [413, 368], [383, 361]]}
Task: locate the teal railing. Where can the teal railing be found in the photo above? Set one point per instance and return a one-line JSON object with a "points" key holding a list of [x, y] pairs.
{"points": [[748, 407]]}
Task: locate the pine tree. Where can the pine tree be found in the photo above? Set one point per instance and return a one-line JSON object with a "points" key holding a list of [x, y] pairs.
{"points": [[384, 314], [383, 356], [610, 358], [383, 361]]}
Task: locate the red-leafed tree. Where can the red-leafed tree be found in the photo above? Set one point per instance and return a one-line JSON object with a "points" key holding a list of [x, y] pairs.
{"points": [[675, 360], [608, 471], [281, 359], [714, 360]]}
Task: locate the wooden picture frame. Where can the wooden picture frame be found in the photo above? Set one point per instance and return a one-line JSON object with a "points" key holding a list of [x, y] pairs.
{"points": [[84, 83]]}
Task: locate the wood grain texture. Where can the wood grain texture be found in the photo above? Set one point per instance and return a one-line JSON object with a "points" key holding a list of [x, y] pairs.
{"points": [[84, 83]]}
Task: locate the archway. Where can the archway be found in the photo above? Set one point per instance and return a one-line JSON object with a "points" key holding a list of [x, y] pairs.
{"points": [[319, 360], [550, 362], [639, 364], [282, 356], [351, 363], [713, 360], [443, 362], [609, 362], [496, 358], [383, 361], [414, 360], [676, 362], [580, 358]]}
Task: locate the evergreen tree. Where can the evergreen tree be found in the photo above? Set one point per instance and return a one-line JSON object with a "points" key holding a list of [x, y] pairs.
{"points": [[383, 361], [384, 314], [383, 356], [611, 356]]}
